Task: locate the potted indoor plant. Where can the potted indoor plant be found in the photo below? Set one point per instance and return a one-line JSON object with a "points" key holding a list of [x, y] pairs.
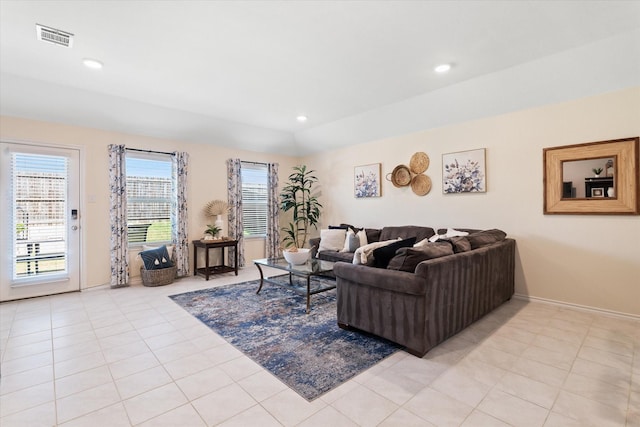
{"points": [[212, 230], [298, 196], [597, 171]]}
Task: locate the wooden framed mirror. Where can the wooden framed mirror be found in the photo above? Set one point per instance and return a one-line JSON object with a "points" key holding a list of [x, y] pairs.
{"points": [[595, 178]]}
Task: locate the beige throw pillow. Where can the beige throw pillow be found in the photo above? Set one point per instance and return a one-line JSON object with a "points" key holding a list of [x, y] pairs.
{"points": [[332, 239]]}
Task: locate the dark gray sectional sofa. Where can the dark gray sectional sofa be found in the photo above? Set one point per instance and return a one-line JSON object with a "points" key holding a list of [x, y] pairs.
{"points": [[420, 309]]}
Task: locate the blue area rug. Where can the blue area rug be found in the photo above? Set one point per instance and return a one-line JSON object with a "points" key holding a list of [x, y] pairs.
{"points": [[308, 352]]}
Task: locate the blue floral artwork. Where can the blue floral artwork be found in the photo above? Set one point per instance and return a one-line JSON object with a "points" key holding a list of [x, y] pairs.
{"points": [[464, 172], [367, 180]]}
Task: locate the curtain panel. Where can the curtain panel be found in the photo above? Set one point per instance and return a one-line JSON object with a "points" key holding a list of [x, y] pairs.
{"points": [[273, 226], [179, 225], [234, 195], [118, 216]]}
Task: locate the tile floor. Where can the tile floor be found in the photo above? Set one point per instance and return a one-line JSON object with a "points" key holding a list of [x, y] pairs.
{"points": [[132, 357]]}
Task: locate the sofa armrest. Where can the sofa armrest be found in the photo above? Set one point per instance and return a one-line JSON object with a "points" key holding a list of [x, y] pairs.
{"points": [[392, 280]]}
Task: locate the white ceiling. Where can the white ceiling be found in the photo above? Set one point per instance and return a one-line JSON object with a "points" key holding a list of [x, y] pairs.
{"points": [[238, 73]]}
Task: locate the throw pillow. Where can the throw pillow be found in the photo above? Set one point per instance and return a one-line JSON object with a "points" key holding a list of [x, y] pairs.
{"points": [[362, 235], [407, 259], [485, 237], [332, 239], [383, 255], [450, 233], [459, 244], [351, 242], [339, 227], [155, 259], [169, 249]]}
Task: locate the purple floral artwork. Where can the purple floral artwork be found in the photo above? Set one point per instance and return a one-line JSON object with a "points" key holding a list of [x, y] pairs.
{"points": [[464, 172], [367, 180]]}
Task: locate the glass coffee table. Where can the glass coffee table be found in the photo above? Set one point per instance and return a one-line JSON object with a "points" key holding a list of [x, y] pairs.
{"points": [[307, 286]]}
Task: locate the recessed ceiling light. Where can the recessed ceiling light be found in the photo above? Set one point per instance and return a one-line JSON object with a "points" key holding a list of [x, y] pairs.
{"points": [[442, 68], [92, 63], [301, 118]]}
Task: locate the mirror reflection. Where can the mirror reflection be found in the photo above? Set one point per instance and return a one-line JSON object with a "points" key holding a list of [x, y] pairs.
{"points": [[591, 178]]}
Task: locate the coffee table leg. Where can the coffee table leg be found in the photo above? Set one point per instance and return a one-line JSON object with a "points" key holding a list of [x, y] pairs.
{"points": [[261, 278], [308, 293]]}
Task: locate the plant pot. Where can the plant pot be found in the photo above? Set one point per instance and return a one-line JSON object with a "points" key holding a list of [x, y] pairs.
{"points": [[297, 258]]}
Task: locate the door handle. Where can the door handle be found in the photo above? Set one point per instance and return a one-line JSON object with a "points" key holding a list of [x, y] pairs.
{"points": [[74, 227]]}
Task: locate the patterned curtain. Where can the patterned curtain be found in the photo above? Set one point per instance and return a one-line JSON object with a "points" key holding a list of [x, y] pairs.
{"points": [[234, 194], [179, 229], [118, 213], [273, 204]]}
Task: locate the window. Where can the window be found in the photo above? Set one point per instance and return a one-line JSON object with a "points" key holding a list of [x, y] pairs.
{"points": [[149, 197], [254, 199], [39, 186]]}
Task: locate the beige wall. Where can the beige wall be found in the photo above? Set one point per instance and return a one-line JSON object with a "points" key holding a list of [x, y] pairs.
{"points": [[592, 261], [584, 260], [207, 181]]}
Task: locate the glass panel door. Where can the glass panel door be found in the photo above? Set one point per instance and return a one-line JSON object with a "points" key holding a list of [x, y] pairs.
{"points": [[41, 221]]}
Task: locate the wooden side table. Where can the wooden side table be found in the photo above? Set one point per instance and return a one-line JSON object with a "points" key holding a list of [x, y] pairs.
{"points": [[208, 270]]}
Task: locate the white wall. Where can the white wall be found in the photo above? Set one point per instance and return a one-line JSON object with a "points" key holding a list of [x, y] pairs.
{"points": [[207, 180], [586, 260]]}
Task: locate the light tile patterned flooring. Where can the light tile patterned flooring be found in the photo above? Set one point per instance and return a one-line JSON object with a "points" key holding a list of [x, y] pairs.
{"points": [[132, 357]]}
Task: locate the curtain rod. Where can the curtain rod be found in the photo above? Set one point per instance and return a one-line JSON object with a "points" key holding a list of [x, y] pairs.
{"points": [[149, 151], [254, 163]]}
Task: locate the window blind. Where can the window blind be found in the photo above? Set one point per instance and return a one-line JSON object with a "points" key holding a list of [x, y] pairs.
{"points": [[254, 199], [149, 197], [39, 186]]}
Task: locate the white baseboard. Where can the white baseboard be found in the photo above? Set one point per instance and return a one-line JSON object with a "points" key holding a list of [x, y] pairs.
{"points": [[578, 307]]}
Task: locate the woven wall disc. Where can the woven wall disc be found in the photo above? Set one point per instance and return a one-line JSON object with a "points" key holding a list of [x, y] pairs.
{"points": [[419, 162], [401, 176], [421, 184]]}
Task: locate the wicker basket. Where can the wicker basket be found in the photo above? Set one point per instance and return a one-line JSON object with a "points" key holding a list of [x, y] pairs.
{"points": [[160, 277], [400, 177]]}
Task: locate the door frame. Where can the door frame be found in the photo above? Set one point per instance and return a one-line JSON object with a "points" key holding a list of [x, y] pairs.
{"points": [[81, 199]]}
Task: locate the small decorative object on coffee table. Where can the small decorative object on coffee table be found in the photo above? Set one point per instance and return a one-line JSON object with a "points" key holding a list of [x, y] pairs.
{"points": [[313, 268]]}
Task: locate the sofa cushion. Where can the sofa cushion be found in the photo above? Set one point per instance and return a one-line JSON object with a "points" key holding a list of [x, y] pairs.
{"points": [[332, 239], [404, 232], [373, 234], [407, 259], [335, 256], [383, 255], [485, 237]]}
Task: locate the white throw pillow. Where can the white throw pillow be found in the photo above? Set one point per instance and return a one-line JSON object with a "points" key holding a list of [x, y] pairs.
{"points": [[455, 233], [332, 239], [363, 237]]}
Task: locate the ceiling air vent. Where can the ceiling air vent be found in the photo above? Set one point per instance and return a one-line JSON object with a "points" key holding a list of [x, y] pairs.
{"points": [[51, 35]]}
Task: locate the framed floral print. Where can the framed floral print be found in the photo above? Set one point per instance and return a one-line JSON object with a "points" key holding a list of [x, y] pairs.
{"points": [[367, 181], [464, 172]]}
